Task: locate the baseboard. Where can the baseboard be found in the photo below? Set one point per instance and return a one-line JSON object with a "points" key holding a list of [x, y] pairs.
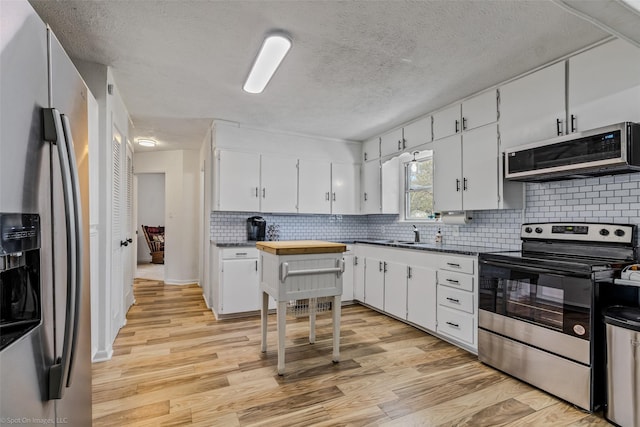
{"points": [[182, 282], [102, 356]]}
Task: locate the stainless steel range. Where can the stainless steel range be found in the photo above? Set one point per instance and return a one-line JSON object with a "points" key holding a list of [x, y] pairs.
{"points": [[540, 308]]}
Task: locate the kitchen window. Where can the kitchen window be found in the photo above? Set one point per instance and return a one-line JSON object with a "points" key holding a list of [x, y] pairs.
{"points": [[418, 187]]}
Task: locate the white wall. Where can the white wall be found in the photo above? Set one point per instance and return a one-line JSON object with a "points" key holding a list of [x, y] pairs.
{"points": [[181, 169], [151, 205]]}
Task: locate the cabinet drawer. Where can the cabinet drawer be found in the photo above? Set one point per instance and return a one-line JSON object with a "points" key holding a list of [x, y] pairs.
{"points": [[453, 263], [457, 299], [455, 280], [456, 324], [239, 253]]}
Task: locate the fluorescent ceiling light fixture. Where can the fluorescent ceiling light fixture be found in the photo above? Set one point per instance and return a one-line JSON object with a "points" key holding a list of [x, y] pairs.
{"points": [[146, 142], [273, 50], [635, 4]]}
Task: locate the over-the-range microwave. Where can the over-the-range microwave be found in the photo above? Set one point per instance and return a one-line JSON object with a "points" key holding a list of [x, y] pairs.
{"points": [[603, 151]]}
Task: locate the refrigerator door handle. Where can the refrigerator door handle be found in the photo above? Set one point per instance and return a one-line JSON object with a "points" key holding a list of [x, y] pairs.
{"points": [[77, 240], [55, 133]]}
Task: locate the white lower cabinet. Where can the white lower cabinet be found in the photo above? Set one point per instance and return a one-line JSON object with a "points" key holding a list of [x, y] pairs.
{"points": [[235, 281], [421, 294], [374, 282], [358, 273], [395, 289], [457, 313]]}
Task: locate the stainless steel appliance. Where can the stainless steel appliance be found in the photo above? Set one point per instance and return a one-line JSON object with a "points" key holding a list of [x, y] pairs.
{"points": [[539, 308], [256, 228], [603, 151], [45, 360]]}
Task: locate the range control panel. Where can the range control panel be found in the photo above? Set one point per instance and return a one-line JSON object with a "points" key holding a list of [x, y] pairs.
{"points": [[580, 231]]}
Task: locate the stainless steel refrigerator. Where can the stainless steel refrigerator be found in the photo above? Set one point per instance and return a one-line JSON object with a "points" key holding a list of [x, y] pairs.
{"points": [[45, 343]]}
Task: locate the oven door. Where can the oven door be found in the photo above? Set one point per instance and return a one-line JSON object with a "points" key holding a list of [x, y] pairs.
{"points": [[559, 301]]}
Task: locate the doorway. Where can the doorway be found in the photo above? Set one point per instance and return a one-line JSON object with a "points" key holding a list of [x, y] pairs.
{"points": [[150, 212]]}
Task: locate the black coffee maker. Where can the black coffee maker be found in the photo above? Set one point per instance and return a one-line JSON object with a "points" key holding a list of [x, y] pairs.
{"points": [[256, 226]]}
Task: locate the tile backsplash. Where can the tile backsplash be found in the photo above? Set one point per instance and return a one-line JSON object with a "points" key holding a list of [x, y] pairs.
{"points": [[599, 199]]}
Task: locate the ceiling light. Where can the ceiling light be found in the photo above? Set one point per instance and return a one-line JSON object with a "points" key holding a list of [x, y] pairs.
{"points": [[273, 50], [146, 142]]}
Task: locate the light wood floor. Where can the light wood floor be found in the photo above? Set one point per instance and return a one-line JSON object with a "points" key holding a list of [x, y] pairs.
{"points": [[174, 364]]}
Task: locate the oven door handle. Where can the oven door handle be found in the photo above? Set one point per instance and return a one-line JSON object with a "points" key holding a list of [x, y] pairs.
{"points": [[523, 268]]}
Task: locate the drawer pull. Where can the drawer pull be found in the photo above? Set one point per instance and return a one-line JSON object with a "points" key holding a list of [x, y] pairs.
{"points": [[451, 264], [455, 325], [457, 301], [241, 254], [455, 282]]}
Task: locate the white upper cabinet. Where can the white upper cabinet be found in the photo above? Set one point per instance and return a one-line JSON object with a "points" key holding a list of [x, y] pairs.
{"points": [[532, 108], [345, 188], [480, 110], [391, 143], [237, 181], [417, 133], [370, 201], [279, 184], [604, 86], [371, 149], [447, 173], [470, 114], [467, 173], [390, 179], [314, 187], [248, 182], [446, 122]]}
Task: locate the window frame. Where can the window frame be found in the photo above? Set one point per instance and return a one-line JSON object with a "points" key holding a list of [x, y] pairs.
{"points": [[407, 191]]}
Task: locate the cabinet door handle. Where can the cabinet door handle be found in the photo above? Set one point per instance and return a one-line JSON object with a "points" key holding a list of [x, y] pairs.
{"points": [[457, 184], [409, 272], [365, 197], [256, 265], [385, 266], [365, 157], [457, 125], [559, 127], [457, 301], [257, 191], [464, 184], [404, 143], [455, 325], [573, 123], [379, 265], [399, 144], [327, 196], [334, 197], [355, 260], [264, 192], [464, 123]]}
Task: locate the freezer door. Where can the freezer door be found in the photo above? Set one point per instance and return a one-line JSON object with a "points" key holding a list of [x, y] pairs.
{"points": [[69, 97], [25, 188]]}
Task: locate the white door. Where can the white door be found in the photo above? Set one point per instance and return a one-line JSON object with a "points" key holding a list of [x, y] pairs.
{"points": [[314, 187], [604, 86], [345, 188], [417, 133], [240, 292], [480, 168], [371, 149], [370, 202], [395, 289], [347, 278], [421, 297], [390, 179], [531, 107], [118, 231], [128, 253], [391, 142], [447, 174], [480, 110], [374, 282], [238, 181], [279, 180], [446, 122]]}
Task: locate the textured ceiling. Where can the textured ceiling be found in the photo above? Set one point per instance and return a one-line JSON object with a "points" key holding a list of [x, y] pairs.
{"points": [[356, 69]]}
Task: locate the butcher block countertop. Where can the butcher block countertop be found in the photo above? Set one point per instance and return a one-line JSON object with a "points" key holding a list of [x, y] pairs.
{"points": [[301, 247]]}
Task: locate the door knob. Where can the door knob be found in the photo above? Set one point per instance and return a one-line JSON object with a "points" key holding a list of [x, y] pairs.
{"points": [[130, 240], [124, 243]]}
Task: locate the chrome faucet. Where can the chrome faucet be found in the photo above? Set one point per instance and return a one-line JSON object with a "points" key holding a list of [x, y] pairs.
{"points": [[416, 234]]}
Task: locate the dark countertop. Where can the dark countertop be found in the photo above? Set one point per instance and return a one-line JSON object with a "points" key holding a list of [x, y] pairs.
{"points": [[423, 246], [432, 247]]}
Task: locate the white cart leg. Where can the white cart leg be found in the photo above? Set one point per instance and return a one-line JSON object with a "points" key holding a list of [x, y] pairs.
{"points": [[264, 310], [282, 322], [336, 328], [313, 305]]}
